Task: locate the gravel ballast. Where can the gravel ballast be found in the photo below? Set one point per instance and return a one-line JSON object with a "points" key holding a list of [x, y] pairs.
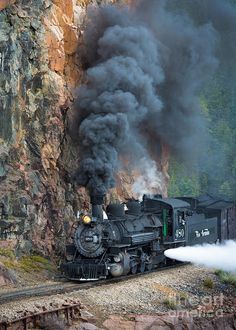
{"points": [[148, 293]]}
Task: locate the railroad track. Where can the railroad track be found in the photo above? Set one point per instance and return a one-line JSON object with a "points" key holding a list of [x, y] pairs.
{"points": [[67, 287], [65, 313]]}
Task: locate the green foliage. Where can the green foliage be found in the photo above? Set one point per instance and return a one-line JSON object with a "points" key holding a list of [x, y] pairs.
{"points": [[8, 263], [216, 171], [34, 263], [7, 253], [170, 303], [229, 278], [219, 272], [182, 295], [208, 283], [25, 263], [226, 189], [182, 181], [225, 277]]}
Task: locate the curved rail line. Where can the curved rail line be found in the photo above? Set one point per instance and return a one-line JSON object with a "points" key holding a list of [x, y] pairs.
{"points": [[61, 288]]}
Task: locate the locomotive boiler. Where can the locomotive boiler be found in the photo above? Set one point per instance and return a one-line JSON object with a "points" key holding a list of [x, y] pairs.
{"points": [[133, 237]]}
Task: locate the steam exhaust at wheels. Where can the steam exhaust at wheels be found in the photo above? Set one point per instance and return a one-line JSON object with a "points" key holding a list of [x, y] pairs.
{"points": [[219, 256]]}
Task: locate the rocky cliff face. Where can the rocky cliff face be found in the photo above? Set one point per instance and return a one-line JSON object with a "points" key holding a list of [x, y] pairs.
{"points": [[39, 72]]}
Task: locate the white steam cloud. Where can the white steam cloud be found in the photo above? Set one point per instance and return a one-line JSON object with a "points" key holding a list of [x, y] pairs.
{"points": [[149, 181], [220, 256]]}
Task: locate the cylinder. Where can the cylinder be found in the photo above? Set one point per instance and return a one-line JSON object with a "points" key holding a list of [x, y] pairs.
{"points": [[117, 269]]}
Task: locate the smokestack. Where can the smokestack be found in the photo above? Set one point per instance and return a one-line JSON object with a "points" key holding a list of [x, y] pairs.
{"points": [[97, 201]]}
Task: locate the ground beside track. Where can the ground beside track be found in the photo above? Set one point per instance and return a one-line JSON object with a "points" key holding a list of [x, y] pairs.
{"points": [[148, 293], [113, 305]]}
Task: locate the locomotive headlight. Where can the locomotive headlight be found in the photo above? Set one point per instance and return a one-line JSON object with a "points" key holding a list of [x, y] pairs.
{"points": [[86, 219]]}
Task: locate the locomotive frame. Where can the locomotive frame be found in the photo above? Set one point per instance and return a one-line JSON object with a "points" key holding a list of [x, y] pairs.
{"points": [[134, 240]]}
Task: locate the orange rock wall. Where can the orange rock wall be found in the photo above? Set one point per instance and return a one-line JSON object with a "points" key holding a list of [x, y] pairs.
{"points": [[40, 71]]}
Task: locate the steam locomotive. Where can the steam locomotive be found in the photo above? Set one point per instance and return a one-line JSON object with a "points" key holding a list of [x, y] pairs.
{"points": [[133, 237]]}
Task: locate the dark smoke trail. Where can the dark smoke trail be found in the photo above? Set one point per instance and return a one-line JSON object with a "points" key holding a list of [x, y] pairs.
{"points": [[146, 66]]}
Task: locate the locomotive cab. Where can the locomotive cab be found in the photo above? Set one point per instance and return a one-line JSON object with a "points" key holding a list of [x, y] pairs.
{"points": [[173, 214]]}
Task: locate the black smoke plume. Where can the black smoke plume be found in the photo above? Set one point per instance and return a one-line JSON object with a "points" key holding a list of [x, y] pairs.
{"points": [[145, 68]]}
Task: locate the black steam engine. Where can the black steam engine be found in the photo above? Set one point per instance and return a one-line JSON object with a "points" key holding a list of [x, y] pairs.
{"points": [[133, 236]]}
